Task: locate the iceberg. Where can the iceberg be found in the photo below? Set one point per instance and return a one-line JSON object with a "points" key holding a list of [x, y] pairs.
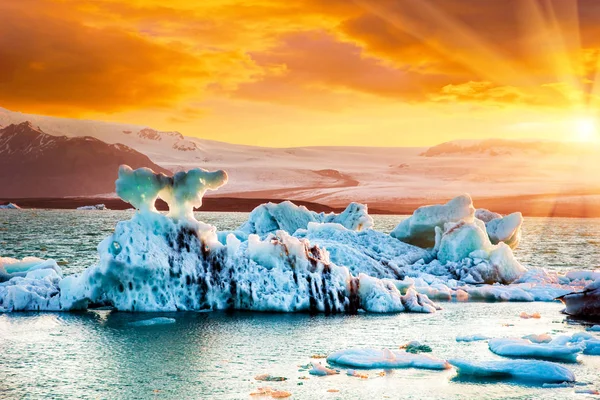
{"points": [[513, 347], [330, 263], [270, 217], [525, 370], [9, 206], [172, 262], [94, 207], [387, 359]]}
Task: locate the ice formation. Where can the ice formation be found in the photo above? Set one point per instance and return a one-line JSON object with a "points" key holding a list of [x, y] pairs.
{"points": [[287, 258], [385, 358], [524, 348], [154, 321], [526, 370], [270, 217]]}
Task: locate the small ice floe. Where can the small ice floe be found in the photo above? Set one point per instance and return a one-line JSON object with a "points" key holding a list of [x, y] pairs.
{"points": [[513, 347], [153, 321], [356, 374], [587, 391], [594, 328], [525, 370], [535, 315], [385, 358], [589, 344], [319, 369], [472, 338], [9, 206], [541, 338], [93, 207], [270, 378]]}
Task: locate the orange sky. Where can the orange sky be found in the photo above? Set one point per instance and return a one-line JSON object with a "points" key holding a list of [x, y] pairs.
{"points": [[310, 72]]}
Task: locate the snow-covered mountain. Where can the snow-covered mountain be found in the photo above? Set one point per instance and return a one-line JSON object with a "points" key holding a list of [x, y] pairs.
{"points": [[36, 164], [382, 177]]}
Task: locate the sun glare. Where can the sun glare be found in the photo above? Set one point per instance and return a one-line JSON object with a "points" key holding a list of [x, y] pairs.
{"points": [[586, 130]]}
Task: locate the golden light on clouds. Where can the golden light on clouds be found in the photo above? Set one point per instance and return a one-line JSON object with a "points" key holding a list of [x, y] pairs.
{"points": [[310, 72]]}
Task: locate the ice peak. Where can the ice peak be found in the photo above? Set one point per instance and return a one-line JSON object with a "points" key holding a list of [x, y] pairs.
{"points": [[182, 192]]}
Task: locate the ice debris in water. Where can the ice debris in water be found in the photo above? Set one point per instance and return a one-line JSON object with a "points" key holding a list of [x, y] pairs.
{"points": [[472, 338], [594, 328], [270, 217], [385, 358], [154, 321], [319, 369], [415, 346], [525, 370]]}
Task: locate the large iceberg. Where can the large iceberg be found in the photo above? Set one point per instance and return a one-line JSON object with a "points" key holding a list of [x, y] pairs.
{"points": [[157, 262], [285, 258]]}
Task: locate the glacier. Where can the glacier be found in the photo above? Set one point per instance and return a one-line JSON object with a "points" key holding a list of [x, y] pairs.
{"points": [[286, 258]]}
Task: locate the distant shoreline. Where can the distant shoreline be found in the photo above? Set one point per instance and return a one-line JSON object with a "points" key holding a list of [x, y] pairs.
{"points": [[549, 205]]}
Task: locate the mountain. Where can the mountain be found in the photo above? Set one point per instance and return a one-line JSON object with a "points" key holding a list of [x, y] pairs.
{"points": [[394, 179], [504, 147], [36, 164]]}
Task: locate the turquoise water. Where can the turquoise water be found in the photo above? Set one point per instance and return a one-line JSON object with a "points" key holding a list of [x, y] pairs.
{"points": [[99, 355]]}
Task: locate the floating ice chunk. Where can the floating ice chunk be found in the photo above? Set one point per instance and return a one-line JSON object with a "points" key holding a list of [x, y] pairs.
{"points": [[588, 342], [320, 370], [36, 290], [9, 206], [506, 229], [270, 217], [154, 321], [472, 338], [94, 207], [486, 215], [12, 267], [414, 346], [513, 347], [585, 303], [385, 358], [382, 296], [526, 370], [419, 228]]}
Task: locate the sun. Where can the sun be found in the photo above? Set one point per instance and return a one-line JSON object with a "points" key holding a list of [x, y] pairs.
{"points": [[586, 129]]}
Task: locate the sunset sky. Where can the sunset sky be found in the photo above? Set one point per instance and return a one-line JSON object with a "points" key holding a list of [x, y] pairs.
{"points": [[310, 72]]}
